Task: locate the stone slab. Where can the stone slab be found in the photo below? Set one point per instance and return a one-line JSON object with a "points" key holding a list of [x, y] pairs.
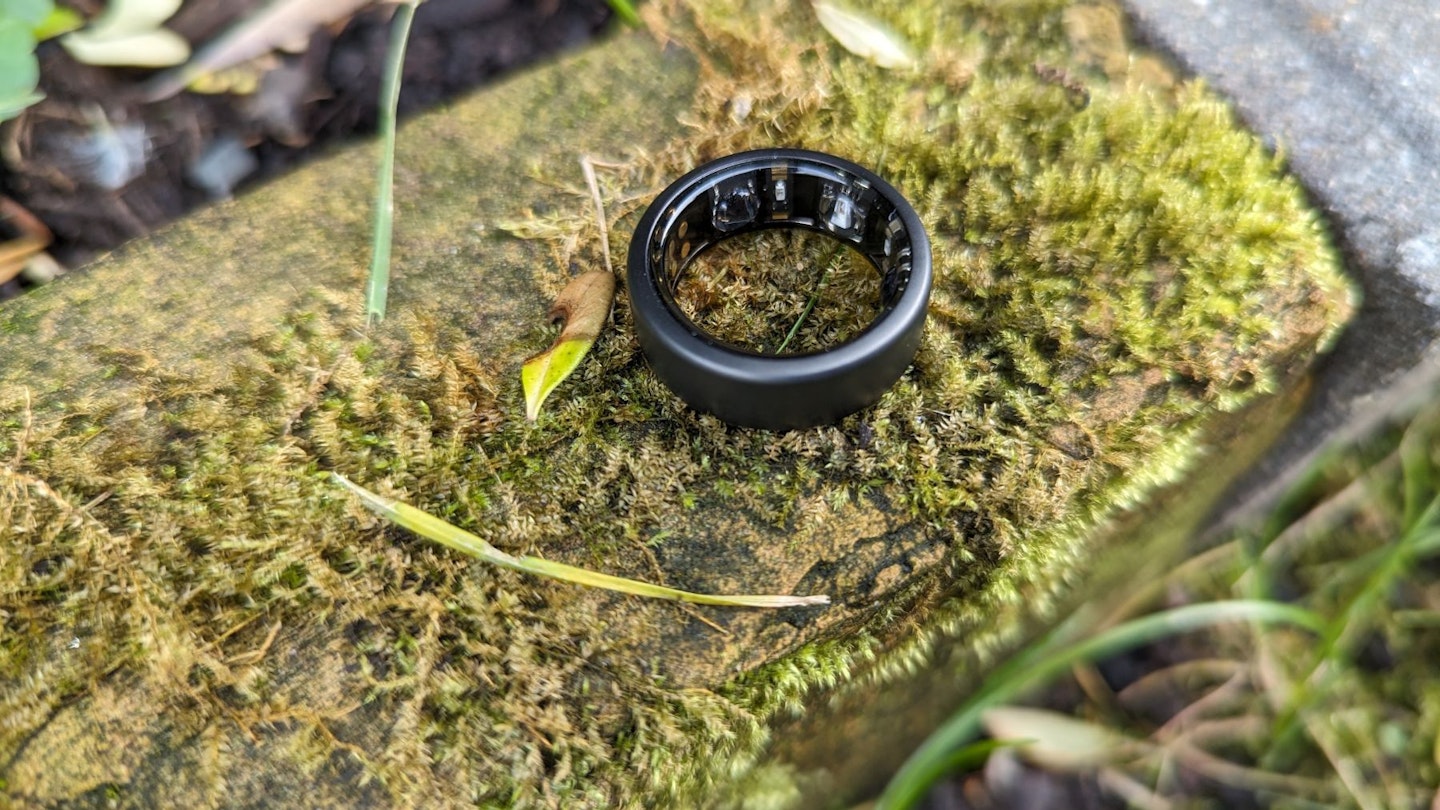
{"points": [[165, 418], [1349, 92]]}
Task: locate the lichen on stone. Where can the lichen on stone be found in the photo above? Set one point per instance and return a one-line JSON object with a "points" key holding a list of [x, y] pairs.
{"points": [[1117, 265]]}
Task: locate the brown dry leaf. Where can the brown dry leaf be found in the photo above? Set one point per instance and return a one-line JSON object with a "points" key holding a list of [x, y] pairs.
{"points": [[583, 305], [31, 237]]}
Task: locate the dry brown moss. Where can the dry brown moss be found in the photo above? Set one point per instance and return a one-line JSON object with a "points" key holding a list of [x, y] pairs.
{"points": [[1117, 263], [781, 292]]}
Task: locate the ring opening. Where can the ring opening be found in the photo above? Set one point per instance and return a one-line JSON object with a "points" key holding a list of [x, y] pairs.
{"points": [[795, 196], [780, 292]]}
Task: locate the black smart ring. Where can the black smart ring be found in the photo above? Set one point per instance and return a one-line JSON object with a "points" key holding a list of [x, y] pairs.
{"points": [[779, 188]]}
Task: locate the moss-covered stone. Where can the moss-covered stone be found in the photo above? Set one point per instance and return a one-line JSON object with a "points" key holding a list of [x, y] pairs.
{"points": [[1118, 268]]}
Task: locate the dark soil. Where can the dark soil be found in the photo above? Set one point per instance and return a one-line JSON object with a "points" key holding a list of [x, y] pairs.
{"points": [[311, 101]]}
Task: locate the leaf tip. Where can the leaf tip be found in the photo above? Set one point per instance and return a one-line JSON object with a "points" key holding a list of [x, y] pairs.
{"points": [[864, 36]]}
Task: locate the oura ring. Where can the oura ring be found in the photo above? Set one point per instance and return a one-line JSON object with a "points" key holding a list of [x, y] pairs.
{"points": [[779, 188]]}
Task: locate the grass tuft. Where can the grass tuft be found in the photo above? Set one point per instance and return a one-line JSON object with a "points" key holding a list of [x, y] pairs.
{"points": [[1344, 714]]}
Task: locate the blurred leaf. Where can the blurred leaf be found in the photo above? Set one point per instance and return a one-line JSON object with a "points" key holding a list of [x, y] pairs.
{"points": [[241, 80], [58, 21], [584, 305], [434, 528], [12, 104], [864, 36], [133, 16], [29, 12], [1056, 741], [129, 34], [280, 24], [19, 72], [156, 48]]}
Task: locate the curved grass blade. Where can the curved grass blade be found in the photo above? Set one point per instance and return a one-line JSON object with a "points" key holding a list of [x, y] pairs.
{"points": [[434, 528]]}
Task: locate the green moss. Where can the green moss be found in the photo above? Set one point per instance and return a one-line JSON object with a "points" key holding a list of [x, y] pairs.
{"points": [[1117, 265]]}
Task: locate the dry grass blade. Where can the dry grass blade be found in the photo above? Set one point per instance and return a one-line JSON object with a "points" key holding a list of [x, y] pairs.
{"points": [[33, 237], [433, 528], [587, 165], [1230, 773], [1134, 793]]}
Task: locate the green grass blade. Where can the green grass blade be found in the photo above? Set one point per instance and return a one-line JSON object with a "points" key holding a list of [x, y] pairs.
{"points": [[814, 299], [1026, 671], [427, 525], [972, 756], [625, 10], [377, 288]]}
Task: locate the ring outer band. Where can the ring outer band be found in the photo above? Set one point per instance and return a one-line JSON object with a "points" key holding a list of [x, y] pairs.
{"points": [[783, 392]]}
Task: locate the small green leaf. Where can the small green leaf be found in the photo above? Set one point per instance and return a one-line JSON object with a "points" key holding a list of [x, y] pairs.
{"points": [[542, 373], [583, 304], [864, 36], [427, 525]]}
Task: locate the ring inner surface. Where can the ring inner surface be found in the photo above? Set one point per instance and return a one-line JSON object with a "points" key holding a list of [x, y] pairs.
{"points": [[782, 193]]}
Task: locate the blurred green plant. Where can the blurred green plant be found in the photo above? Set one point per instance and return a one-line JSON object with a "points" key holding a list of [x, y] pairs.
{"points": [[23, 24], [1051, 656], [625, 10], [1345, 713]]}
